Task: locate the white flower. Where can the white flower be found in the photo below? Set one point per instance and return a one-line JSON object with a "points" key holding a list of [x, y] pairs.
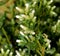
{"points": [[50, 1], [58, 21], [53, 7], [23, 27], [2, 51], [33, 33], [23, 15], [48, 43], [17, 53], [7, 51], [33, 11], [27, 5], [11, 54], [54, 28], [18, 8], [21, 33], [34, 3], [49, 7], [17, 16], [49, 46], [19, 40]]}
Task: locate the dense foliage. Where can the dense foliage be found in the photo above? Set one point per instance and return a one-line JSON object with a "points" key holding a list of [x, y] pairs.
{"points": [[29, 28]]}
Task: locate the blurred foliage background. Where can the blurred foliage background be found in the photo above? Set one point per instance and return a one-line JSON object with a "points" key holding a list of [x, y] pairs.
{"points": [[29, 27]]}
